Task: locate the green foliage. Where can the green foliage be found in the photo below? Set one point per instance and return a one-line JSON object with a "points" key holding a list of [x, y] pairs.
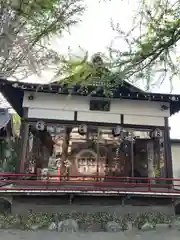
{"points": [[152, 218], [10, 162], [81, 70], [16, 124], [47, 17], [157, 171], [151, 56], [153, 43], [26, 31], [43, 220]]}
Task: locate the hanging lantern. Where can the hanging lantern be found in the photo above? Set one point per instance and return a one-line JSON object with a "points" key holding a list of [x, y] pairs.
{"points": [[117, 131], [156, 133], [40, 126], [126, 135], [82, 129]]}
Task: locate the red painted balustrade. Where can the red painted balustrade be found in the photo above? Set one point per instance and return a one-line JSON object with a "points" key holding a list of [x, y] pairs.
{"points": [[12, 182]]}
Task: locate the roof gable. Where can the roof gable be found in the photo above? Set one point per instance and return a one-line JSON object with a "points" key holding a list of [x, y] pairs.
{"points": [[14, 92]]}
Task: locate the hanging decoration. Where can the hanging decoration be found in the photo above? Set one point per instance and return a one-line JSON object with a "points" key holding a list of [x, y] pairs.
{"points": [[128, 142], [117, 131], [58, 162], [40, 126], [67, 163], [156, 133], [82, 129]]}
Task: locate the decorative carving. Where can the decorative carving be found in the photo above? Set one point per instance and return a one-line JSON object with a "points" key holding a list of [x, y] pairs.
{"points": [[86, 161]]}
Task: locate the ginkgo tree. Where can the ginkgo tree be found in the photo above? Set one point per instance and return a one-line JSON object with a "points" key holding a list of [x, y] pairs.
{"points": [[153, 49], [26, 28]]}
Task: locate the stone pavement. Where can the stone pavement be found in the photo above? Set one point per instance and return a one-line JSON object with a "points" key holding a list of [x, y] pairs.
{"points": [[132, 235]]}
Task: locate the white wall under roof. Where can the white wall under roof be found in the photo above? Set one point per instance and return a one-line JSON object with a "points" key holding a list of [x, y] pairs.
{"points": [[175, 149], [61, 107]]}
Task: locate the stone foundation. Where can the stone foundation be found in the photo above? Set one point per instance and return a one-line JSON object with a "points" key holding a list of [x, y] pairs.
{"points": [[57, 205]]}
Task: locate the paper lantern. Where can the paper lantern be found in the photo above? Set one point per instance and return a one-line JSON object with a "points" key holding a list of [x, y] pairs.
{"points": [[40, 126], [117, 131], [82, 129], [156, 133]]}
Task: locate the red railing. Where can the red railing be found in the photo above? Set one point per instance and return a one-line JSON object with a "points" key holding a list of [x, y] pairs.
{"points": [[24, 182], [85, 180]]}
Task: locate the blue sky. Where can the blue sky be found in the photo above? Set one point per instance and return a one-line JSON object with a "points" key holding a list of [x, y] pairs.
{"points": [[94, 34]]}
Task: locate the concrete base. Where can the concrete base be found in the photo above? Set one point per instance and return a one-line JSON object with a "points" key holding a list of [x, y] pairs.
{"points": [[18, 208], [55, 205]]}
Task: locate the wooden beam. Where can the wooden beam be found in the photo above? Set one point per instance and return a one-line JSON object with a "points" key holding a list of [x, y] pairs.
{"points": [[167, 146], [24, 133], [103, 124]]}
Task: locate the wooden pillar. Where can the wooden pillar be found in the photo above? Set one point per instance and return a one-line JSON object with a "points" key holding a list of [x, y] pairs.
{"points": [[24, 133], [98, 153], [150, 152], [167, 146], [132, 155], [7, 150]]}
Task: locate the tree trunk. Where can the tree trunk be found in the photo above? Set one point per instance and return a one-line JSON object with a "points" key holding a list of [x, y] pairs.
{"points": [[65, 148]]}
